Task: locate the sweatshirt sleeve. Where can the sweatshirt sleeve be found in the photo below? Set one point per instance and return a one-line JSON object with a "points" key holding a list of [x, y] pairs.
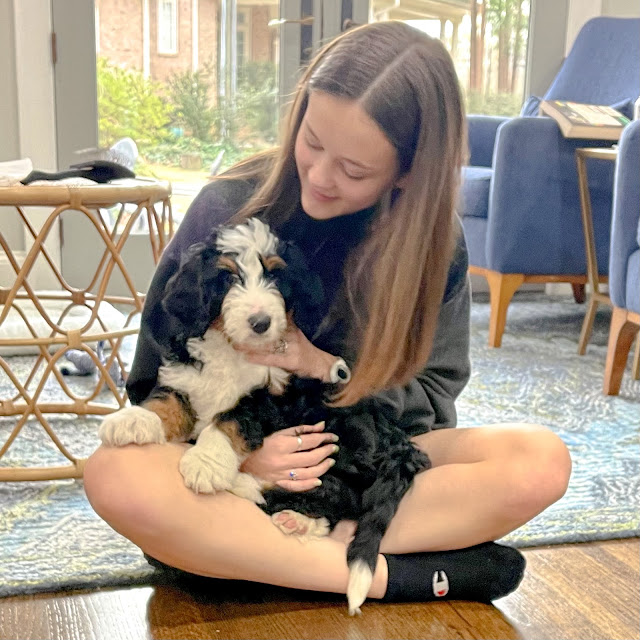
{"points": [[428, 401], [213, 206]]}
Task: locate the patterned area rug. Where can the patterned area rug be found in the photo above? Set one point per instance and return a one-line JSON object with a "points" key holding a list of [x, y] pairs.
{"points": [[50, 539]]}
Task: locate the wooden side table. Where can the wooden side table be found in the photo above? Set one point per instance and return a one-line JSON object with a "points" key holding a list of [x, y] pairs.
{"points": [[132, 200], [596, 297]]}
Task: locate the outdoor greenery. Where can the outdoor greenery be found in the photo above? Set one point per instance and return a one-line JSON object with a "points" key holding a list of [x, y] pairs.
{"points": [[130, 105], [496, 104], [190, 96], [184, 116]]}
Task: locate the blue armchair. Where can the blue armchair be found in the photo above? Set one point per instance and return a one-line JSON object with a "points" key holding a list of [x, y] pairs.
{"points": [[520, 204], [624, 262]]}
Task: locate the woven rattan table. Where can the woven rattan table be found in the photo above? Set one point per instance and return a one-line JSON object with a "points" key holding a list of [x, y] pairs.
{"points": [[128, 203]]}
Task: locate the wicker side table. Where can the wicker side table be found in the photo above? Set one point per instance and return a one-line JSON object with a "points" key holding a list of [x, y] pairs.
{"points": [[130, 201]]}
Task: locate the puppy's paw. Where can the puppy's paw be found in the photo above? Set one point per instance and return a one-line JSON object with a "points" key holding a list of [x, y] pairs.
{"points": [[203, 473], [133, 425], [294, 523], [246, 486]]}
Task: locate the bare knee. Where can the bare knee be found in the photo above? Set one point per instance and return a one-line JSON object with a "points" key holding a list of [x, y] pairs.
{"points": [[107, 480], [539, 467], [119, 484]]}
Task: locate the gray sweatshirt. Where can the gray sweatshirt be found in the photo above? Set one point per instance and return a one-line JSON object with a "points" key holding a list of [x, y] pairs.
{"points": [[427, 402]]}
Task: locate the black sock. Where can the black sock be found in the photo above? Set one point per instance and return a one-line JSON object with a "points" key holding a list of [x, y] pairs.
{"points": [[482, 573]]}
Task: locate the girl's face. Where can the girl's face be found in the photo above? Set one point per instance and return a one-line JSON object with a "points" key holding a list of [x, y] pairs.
{"points": [[344, 160]]}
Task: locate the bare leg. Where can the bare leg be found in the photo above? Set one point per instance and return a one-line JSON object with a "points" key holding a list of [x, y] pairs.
{"points": [[485, 482], [141, 494]]}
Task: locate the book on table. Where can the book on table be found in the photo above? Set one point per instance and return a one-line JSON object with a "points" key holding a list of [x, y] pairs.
{"points": [[577, 120]]}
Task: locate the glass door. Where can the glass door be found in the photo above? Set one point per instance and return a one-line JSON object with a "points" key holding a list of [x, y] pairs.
{"points": [[487, 39], [189, 87]]}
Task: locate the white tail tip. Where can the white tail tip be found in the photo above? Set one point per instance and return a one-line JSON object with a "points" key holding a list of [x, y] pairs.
{"points": [[360, 579]]}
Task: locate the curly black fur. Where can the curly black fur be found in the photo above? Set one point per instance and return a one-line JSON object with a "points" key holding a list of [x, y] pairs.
{"points": [[374, 468]]}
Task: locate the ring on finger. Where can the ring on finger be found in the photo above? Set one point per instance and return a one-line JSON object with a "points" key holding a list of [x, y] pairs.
{"points": [[299, 438], [293, 475]]}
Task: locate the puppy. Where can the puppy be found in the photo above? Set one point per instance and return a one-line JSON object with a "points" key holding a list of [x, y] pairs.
{"points": [[241, 287]]}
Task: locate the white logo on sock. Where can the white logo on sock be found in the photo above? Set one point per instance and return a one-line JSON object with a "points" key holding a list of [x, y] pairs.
{"points": [[440, 584]]}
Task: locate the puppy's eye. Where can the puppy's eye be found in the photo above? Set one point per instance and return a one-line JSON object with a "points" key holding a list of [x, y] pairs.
{"points": [[225, 263], [273, 263]]}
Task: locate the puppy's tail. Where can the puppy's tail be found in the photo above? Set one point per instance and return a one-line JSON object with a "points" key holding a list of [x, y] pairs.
{"points": [[379, 504]]}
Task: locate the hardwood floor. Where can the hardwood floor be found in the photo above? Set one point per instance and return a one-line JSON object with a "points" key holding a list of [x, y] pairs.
{"points": [[586, 591]]}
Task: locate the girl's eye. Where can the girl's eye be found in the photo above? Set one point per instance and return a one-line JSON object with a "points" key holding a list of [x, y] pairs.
{"points": [[314, 145], [352, 176]]}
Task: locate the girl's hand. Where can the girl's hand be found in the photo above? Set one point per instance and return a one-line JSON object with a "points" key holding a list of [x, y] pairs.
{"points": [[294, 354], [295, 458]]}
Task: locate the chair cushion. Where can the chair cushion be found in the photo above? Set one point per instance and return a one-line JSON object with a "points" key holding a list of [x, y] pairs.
{"points": [[476, 182], [633, 282]]}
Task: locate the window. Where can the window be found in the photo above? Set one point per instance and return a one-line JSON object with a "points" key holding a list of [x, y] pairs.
{"points": [[167, 26], [242, 38], [487, 40]]}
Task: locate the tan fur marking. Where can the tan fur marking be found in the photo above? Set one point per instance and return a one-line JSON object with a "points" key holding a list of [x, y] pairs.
{"points": [[238, 443], [273, 262], [225, 262], [176, 422]]}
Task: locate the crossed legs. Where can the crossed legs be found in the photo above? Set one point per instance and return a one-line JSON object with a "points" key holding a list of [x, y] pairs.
{"points": [[484, 483]]}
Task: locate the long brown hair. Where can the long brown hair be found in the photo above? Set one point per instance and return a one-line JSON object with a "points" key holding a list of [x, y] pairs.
{"points": [[395, 279]]}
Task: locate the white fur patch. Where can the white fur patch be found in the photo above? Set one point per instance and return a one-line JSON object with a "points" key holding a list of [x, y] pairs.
{"points": [[254, 236], [132, 425], [211, 464], [224, 378], [360, 579], [248, 487]]}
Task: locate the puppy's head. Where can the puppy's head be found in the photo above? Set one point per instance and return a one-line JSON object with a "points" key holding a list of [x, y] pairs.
{"points": [[240, 279]]}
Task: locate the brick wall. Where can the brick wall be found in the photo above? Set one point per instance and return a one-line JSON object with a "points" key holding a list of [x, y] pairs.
{"points": [[120, 35]]}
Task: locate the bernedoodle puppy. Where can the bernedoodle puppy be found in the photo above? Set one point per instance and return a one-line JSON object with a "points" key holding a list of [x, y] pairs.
{"points": [[244, 287]]}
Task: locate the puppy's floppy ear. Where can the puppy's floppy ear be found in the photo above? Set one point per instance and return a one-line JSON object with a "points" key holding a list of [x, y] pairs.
{"points": [[301, 289], [193, 295]]}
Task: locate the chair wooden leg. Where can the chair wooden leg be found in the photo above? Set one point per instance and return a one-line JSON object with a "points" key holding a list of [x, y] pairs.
{"points": [[587, 326], [502, 286], [636, 360], [579, 292], [621, 335]]}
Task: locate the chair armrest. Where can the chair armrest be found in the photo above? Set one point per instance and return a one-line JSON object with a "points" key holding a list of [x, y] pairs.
{"points": [[625, 231], [482, 135], [534, 220]]}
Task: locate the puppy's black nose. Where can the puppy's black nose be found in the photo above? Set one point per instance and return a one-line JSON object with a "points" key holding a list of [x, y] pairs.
{"points": [[259, 322]]}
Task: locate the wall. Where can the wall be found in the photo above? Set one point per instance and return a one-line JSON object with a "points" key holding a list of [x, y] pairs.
{"points": [[580, 11], [9, 138], [29, 102]]}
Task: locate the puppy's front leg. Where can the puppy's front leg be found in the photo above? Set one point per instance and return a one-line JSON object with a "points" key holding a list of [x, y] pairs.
{"points": [[211, 464], [165, 415]]}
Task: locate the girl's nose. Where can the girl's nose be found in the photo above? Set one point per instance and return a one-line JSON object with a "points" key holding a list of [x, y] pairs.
{"points": [[320, 174]]}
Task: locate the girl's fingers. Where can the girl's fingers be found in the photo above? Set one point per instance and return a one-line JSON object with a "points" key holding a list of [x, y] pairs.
{"points": [[312, 441], [306, 478], [301, 429], [309, 459]]}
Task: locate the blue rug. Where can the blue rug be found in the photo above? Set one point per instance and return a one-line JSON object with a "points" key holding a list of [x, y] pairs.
{"points": [[50, 539]]}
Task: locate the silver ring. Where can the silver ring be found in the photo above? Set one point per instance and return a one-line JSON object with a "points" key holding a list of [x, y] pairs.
{"points": [[299, 443], [293, 475], [281, 346]]}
